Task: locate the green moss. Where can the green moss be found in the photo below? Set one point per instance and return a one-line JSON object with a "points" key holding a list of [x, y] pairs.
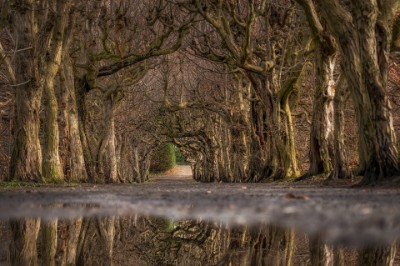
{"points": [[20, 184], [53, 178], [171, 225]]}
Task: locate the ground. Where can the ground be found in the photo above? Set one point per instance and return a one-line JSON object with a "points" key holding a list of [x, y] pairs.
{"points": [[342, 214]]}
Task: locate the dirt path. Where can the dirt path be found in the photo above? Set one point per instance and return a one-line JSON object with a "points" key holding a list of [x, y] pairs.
{"points": [[181, 173], [343, 215]]}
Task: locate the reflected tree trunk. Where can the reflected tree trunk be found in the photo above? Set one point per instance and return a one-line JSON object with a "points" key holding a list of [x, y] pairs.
{"points": [[84, 235], [106, 227], [320, 253], [49, 242], [379, 256], [280, 246], [23, 249], [69, 255]]}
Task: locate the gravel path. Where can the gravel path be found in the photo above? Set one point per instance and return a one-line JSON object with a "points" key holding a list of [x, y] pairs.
{"points": [[343, 215]]}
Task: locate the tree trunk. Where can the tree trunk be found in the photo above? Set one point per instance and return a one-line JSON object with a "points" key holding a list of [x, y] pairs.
{"points": [[257, 160], [70, 251], [23, 249], [322, 127], [74, 161], [363, 42], [106, 228], [274, 154], [52, 168], [280, 246], [108, 142], [82, 87], [113, 171], [340, 165], [49, 242], [26, 159], [320, 253]]}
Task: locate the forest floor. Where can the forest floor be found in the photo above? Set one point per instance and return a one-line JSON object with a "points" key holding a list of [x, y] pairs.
{"points": [[340, 213]]}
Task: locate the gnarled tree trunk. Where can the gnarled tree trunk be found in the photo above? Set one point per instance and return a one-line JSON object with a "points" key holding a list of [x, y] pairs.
{"points": [[363, 37], [322, 127], [52, 168]]}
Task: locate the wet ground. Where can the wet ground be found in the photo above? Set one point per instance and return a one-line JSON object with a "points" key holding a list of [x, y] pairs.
{"points": [[348, 216]]}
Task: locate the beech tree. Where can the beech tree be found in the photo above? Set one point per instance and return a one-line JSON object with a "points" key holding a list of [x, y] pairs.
{"points": [[257, 38], [363, 37], [227, 82], [51, 56]]}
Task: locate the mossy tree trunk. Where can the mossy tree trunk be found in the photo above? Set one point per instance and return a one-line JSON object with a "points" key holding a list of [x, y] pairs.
{"points": [[52, 168]]}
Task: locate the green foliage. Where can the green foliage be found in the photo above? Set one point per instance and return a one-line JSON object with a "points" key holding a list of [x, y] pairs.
{"points": [[163, 159], [179, 157], [171, 225]]}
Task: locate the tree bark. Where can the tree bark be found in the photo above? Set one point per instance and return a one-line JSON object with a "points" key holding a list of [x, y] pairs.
{"points": [[380, 256], [341, 168], [70, 252], [106, 228], [322, 127], [23, 250], [320, 253], [49, 242], [52, 168], [363, 38], [74, 161], [26, 159], [81, 87], [108, 142]]}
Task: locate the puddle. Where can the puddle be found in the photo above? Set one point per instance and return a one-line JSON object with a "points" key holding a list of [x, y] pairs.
{"points": [[144, 240]]}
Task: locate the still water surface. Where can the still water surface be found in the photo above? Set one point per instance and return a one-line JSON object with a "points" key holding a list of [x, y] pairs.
{"points": [[139, 240]]}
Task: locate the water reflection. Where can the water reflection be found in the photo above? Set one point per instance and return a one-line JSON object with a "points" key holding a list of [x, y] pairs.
{"points": [[158, 241]]}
